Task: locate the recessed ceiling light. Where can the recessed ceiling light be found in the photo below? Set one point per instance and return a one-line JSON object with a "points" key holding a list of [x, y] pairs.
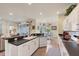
{"points": [[41, 13], [29, 3], [58, 12], [10, 13]]}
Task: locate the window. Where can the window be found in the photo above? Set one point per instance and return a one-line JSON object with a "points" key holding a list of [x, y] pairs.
{"points": [[23, 29]]}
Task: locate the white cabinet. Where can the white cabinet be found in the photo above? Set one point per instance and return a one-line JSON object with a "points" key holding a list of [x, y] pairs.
{"points": [[71, 21], [12, 50], [31, 47], [34, 45], [25, 49], [21, 50], [37, 43], [43, 41], [68, 23]]}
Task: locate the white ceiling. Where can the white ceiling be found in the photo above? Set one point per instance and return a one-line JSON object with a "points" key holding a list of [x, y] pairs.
{"points": [[24, 11]]}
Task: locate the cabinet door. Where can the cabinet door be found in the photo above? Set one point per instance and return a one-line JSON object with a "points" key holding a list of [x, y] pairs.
{"points": [[28, 48], [43, 41], [32, 47], [37, 43], [13, 50], [23, 50]]}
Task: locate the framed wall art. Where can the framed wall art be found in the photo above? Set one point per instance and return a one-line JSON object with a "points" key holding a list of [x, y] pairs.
{"points": [[54, 27]]}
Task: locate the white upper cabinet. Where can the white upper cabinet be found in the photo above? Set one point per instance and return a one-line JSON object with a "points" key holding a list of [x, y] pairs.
{"points": [[67, 24], [71, 23]]}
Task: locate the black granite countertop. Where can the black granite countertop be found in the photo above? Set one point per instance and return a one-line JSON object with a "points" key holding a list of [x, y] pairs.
{"points": [[19, 40], [72, 48]]}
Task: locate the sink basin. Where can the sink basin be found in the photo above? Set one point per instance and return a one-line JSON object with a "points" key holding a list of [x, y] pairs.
{"points": [[30, 37]]}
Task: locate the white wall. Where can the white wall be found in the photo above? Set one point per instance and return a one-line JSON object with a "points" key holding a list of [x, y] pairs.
{"points": [[60, 22]]}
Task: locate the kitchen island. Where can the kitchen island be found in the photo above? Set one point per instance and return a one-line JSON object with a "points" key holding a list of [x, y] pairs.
{"points": [[21, 47], [28, 45]]}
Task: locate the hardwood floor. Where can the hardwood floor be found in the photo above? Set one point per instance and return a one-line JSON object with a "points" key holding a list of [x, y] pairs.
{"points": [[40, 52], [52, 48]]}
